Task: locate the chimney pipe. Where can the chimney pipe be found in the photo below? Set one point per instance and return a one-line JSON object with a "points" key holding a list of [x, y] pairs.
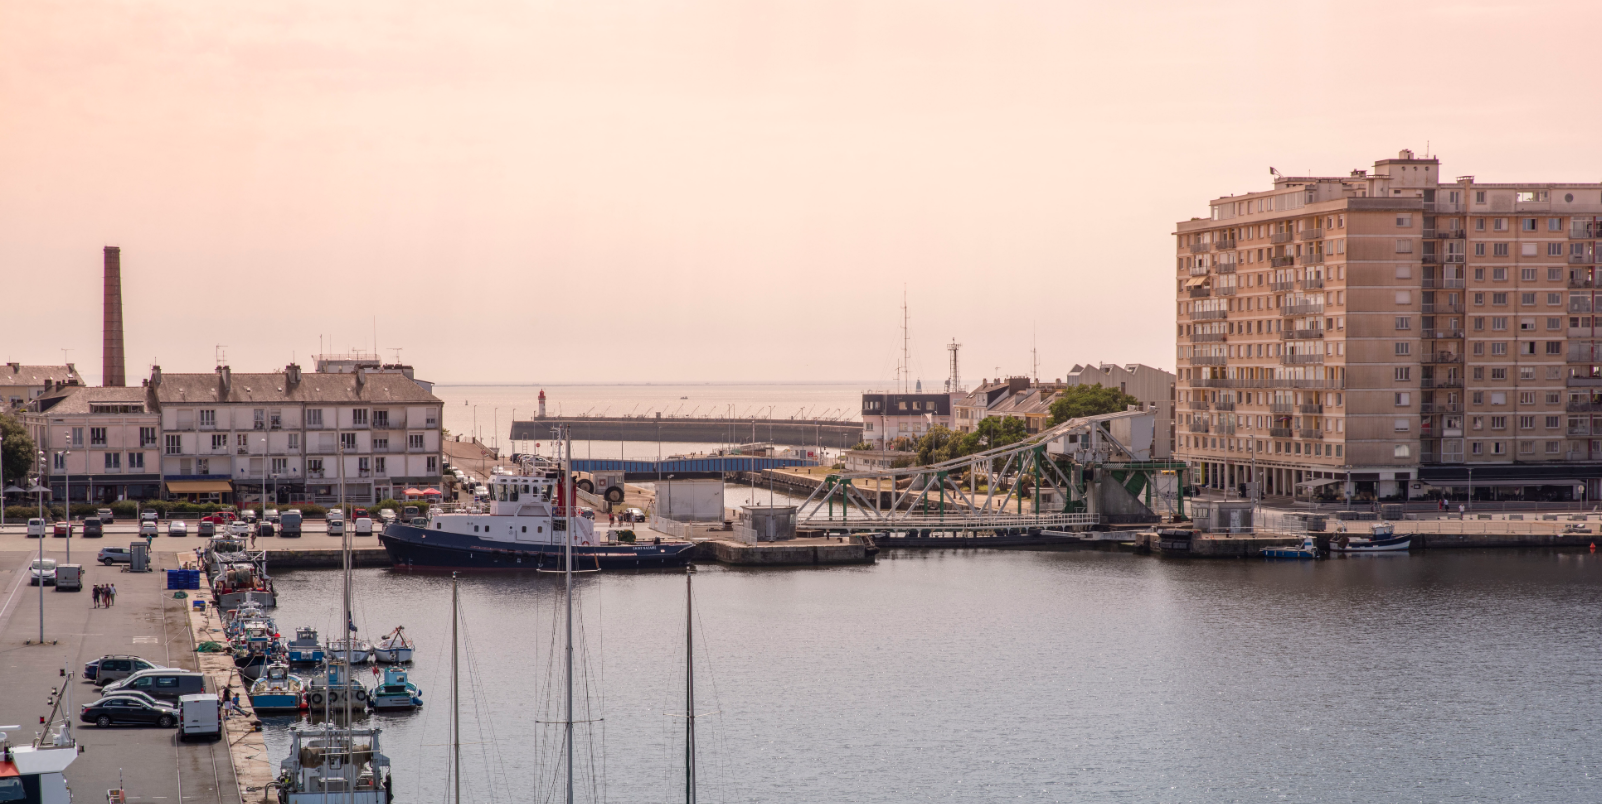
{"points": [[111, 350]]}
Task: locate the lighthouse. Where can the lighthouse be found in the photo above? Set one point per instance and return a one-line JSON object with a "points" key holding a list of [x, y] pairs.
{"points": [[542, 413]]}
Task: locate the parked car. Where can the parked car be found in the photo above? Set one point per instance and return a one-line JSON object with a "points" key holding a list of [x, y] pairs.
{"points": [[248, 515], [362, 526], [206, 529], [106, 516], [116, 555], [149, 515], [42, 571], [93, 529], [62, 530], [336, 527], [119, 710], [410, 511], [290, 523], [272, 515], [201, 716], [69, 577], [386, 516], [420, 522], [147, 528], [163, 684], [138, 696], [239, 528], [177, 528], [116, 667], [36, 528], [264, 529], [359, 512], [635, 514]]}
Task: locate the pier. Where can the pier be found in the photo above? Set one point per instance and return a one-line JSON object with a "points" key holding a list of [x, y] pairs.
{"points": [[823, 433]]}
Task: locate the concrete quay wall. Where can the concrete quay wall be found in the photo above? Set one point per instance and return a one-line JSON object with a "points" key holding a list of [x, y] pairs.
{"points": [[1249, 545], [793, 432], [808, 552]]}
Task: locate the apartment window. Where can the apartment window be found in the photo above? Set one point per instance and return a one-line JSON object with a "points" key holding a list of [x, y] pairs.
{"points": [[1528, 324], [1403, 247], [219, 441], [1528, 249], [1528, 422], [431, 464], [1552, 397], [1400, 348], [1402, 272], [1406, 219], [415, 441], [136, 460], [1476, 422], [1400, 374], [378, 466], [175, 444], [1400, 451], [1528, 373], [1500, 299], [294, 441], [113, 460], [1401, 297], [1551, 446], [1481, 198], [1554, 301], [1554, 250], [1500, 349], [314, 466], [364, 464], [1500, 275], [1400, 425], [1499, 250], [359, 416], [97, 436], [281, 466], [348, 440], [1401, 399], [1478, 299], [1500, 323], [1476, 399], [1498, 448], [1555, 323], [1528, 224], [314, 417], [1553, 224], [1554, 274], [1478, 349], [203, 466], [381, 444], [1500, 224], [1498, 422], [147, 436], [1552, 347], [381, 418], [1475, 447], [1576, 249], [1551, 422], [208, 418], [1401, 322], [1496, 397]]}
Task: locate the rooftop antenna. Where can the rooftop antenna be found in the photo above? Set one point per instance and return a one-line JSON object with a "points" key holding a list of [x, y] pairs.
{"points": [[64, 357], [1035, 365], [905, 367], [219, 355], [397, 350]]}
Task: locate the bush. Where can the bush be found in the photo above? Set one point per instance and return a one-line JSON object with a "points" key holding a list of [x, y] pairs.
{"points": [[392, 504], [125, 509], [313, 510]]}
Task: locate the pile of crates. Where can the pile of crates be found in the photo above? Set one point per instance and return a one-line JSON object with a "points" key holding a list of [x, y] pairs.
{"points": [[183, 579]]}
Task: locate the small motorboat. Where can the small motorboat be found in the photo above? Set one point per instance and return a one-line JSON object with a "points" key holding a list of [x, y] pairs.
{"points": [[305, 647], [361, 651], [395, 692], [1382, 539], [1306, 550], [394, 648], [277, 690], [251, 662]]}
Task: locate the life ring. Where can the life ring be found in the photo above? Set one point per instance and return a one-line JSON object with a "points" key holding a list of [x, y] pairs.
{"points": [[316, 698], [361, 695]]}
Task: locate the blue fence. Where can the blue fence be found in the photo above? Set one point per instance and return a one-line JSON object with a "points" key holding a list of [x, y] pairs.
{"points": [[183, 579]]}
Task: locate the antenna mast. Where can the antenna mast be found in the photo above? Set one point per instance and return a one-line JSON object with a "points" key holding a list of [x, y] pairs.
{"points": [[954, 384], [905, 367]]}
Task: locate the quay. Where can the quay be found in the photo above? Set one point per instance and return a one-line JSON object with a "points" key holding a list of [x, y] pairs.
{"points": [[824, 433]]}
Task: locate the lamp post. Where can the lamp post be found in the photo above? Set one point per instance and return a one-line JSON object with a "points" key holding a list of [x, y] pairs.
{"points": [[39, 491], [66, 506]]}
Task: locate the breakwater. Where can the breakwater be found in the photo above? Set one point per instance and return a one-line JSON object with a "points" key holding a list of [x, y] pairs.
{"points": [[826, 433]]}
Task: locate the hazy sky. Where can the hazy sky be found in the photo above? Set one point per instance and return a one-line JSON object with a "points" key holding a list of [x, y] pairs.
{"points": [[709, 189]]}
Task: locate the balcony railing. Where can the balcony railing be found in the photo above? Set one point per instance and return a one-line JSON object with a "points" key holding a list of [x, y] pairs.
{"points": [[1441, 407], [1282, 262], [1429, 283], [1311, 283], [1582, 259], [1225, 405], [1302, 334], [1311, 409], [1198, 270], [1198, 293], [1311, 234], [1445, 206], [1442, 357], [1278, 287], [1453, 258], [1207, 360], [1298, 360], [1198, 427], [1225, 268], [1280, 432], [1582, 406], [1207, 337], [1442, 382], [1429, 259], [1281, 237], [1200, 248], [1315, 258], [1283, 407], [1224, 245], [1225, 290], [1587, 231], [1584, 355], [1444, 308], [1306, 308], [1442, 334], [1223, 382], [1198, 405], [1304, 432], [1207, 315], [1584, 281]]}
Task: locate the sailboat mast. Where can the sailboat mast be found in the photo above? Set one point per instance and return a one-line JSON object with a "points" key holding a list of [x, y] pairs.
{"points": [[568, 597], [690, 695], [456, 719]]}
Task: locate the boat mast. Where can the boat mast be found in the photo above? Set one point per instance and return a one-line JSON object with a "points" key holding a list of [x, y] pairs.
{"points": [[456, 719], [345, 680], [568, 594], [690, 696]]}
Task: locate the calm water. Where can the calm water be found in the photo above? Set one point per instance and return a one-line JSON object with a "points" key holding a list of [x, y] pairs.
{"points": [[1035, 676]]}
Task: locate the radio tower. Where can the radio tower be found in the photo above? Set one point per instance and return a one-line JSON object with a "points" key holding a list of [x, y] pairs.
{"points": [[954, 384]]}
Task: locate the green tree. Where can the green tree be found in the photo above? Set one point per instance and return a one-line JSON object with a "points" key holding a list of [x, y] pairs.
{"points": [[17, 450], [1080, 401], [995, 431]]}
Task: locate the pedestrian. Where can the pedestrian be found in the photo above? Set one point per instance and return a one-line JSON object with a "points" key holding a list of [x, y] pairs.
{"points": [[96, 593], [112, 595], [1461, 510]]}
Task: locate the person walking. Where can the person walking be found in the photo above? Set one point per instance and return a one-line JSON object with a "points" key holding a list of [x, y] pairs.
{"points": [[112, 595], [96, 593]]}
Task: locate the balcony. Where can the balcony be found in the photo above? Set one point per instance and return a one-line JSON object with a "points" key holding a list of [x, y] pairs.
{"points": [[1225, 290], [1281, 237], [1584, 282], [1198, 405], [1445, 382], [314, 474], [1429, 259], [1443, 334], [1311, 284], [1226, 405], [1283, 407], [1582, 355], [1198, 293], [1207, 315], [1582, 406], [1442, 357], [1279, 287], [1207, 360], [1314, 409], [1311, 234], [1198, 427], [1429, 283], [1441, 407], [1583, 259], [1302, 334], [1587, 231], [1282, 262], [1443, 308], [364, 473], [1300, 360], [1453, 258], [1200, 248], [1304, 432], [1225, 268], [1208, 337], [1316, 258], [1306, 308], [1225, 245], [1198, 270], [1280, 432]]}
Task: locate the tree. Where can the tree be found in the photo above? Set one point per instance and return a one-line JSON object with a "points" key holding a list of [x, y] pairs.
{"points": [[941, 444], [16, 451], [1080, 401]]}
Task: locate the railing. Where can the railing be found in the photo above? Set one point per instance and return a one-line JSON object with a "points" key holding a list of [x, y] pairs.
{"points": [[1281, 262], [1200, 248], [1585, 355], [1198, 293], [1450, 234], [1224, 245], [1429, 283], [1315, 408], [1198, 405], [1306, 308], [1207, 337], [1197, 427], [1281, 237], [1278, 287], [1585, 282], [1225, 290], [1225, 268], [1445, 382], [1198, 270], [1304, 432], [1442, 334], [1299, 360], [1582, 407], [1311, 234], [1231, 382], [1302, 334], [1583, 259], [1445, 206], [1315, 258], [1432, 308], [1280, 432], [1207, 315], [1453, 258], [1429, 259], [1227, 405], [1587, 231], [1283, 407], [1442, 357], [1207, 360], [1441, 407], [1312, 283]]}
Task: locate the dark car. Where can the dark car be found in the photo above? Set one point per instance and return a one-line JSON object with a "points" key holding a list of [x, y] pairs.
{"points": [[114, 555], [114, 667], [165, 684], [126, 709], [206, 530], [93, 529], [264, 529]]}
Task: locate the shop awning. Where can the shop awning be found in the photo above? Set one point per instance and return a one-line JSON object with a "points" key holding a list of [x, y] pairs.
{"points": [[199, 486], [1196, 281]]}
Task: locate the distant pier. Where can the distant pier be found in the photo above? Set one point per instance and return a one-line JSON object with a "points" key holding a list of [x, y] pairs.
{"points": [[824, 433]]}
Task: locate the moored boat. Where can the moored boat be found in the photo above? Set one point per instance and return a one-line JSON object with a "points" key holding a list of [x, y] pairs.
{"points": [[1382, 539], [277, 690], [334, 764], [328, 691], [395, 691], [394, 647], [361, 651], [1306, 550], [305, 647]]}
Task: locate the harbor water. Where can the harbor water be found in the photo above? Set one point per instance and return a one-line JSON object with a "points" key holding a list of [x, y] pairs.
{"points": [[1032, 676]]}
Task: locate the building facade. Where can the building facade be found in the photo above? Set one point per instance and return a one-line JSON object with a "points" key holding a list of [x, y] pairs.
{"points": [[105, 442], [298, 434], [19, 384], [1152, 387], [888, 416], [1390, 334]]}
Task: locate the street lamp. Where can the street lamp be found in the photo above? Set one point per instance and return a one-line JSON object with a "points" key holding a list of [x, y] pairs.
{"points": [[66, 506]]}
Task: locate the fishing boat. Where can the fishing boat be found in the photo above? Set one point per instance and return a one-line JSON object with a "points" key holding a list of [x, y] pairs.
{"points": [[305, 647], [531, 521], [361, 651], [277, 690], [394, 647], [33, 771], [329, 764], [252, 662], [1306, 550], [1382, 539], [395, 691]]}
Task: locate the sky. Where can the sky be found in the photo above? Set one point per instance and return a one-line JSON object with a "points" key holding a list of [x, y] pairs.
{"points": [[709, 190]]}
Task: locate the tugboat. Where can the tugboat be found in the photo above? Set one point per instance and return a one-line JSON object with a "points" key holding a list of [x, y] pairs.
{"points": [[396, 692], [529, 521], [334, 764], [277, 690], [305, 647], [1382, 540], [394, 648]]}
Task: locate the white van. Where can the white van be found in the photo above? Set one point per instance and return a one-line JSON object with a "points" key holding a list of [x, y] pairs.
{"points": [[364, 527], [36, 528], [198, 716]]}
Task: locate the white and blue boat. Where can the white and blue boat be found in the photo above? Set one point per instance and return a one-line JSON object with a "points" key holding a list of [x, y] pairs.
{"points": [[396, 692], [394, 648], [1382, 539], [1304, 551], [305, 647], [277, 690]]}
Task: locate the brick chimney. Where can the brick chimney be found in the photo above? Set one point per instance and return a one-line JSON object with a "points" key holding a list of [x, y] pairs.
{"points": [[111, 350]]}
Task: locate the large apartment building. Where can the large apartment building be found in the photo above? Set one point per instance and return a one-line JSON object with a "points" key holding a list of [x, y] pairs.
{"points": [[1390, 334]]}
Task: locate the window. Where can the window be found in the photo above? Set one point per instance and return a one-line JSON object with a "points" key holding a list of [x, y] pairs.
{"points": [[1400, 451], [1500, 323], [1405, 219], [1551, 422], [295, 441], [1402, 272], [1552, 347], [431, 464], [175, 444], [1554, 301], [1500, 275], [1403, 247], [348, 440], [1528, 324], [281, 466], [1401, 297], [1401, 322], [1478, 349], [1554, 250], [415, 441], [1500, 298], [1555, 323], [1400, 374], [1500, 224], [1400, 425], [1476, 399], [1551, 446], [1528, 249], [208, 418], [381, 418], [1401, 399], [219, 441], [147, 436], [1528, 373], [1478, 298], [1500, 250], [381, 444], [1498, 422], [1481, 198], [314, 417], [1400, 348], [1475, 447], [1476, 422], [1498, 448], [1528, 224], [203, 466], [1528, 422], [1480, 250], [97, 436], [378, 466], [1499, 349], [136, 461], [114, 460], [359, 416], [1496, 398], [364, 464], [314, 466]]}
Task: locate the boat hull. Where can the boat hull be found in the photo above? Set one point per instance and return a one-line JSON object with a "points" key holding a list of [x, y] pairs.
{"points": [[416, 548], [1289, 553], [393, 655], [1395, 544], [276, 702]]}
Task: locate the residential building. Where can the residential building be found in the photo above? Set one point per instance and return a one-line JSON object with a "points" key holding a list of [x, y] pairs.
{"points": [[889, 416], [1390, 333], [104, 441], [1152, 387], [231, 433], [19, 384], [968, 409]]}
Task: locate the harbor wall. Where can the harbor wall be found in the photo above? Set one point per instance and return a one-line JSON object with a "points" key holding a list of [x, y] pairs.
{"points": [[780, 554], [792, 432]]}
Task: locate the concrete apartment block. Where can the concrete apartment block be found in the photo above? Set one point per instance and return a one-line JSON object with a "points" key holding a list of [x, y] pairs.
{"points": [[1392, 333]]}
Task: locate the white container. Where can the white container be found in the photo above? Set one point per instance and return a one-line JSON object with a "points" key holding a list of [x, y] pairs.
{"points": [[199, 717]]}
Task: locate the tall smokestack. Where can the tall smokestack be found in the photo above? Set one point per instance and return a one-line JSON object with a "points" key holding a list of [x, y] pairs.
{"points": [[111, 349]]}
